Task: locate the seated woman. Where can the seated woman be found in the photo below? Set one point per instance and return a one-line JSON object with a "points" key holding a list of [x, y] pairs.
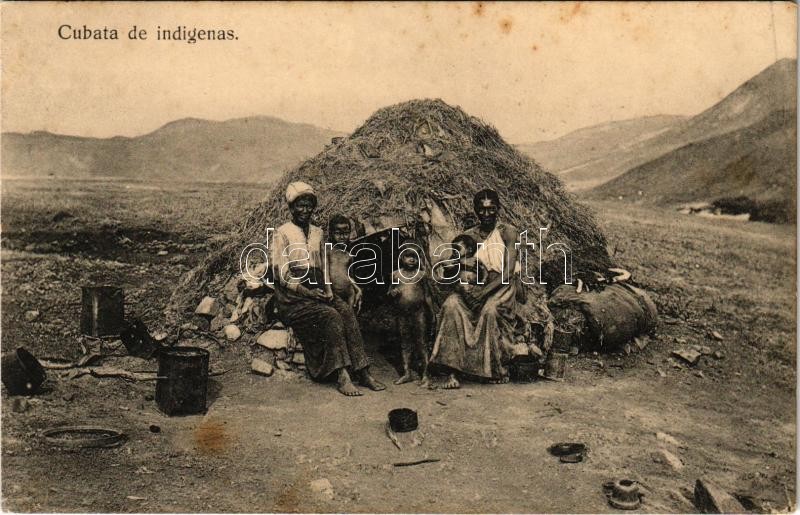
{"points": [[324, 324], [476, 325]]}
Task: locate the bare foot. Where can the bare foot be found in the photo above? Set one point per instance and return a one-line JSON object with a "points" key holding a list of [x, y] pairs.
{"points": [[451, 383], [371, 383], [425, 382], [346, 386], [405, 378]]}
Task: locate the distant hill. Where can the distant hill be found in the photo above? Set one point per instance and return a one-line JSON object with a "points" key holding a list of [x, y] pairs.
{"points": [[254, 149], [744, 146], [757, 162], [771, 90], [589, 147]]}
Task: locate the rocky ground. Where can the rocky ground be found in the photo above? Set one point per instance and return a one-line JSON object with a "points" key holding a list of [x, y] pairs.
{"points": [[284, 443]]}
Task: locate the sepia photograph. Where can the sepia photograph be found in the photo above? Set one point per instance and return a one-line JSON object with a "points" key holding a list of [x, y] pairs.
{"points": [[398, 257]]}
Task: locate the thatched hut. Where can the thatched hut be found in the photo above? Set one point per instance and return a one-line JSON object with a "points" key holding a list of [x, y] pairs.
{"points": [[415, 164]]}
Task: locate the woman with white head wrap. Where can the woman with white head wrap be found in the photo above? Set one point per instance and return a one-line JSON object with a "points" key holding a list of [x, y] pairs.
{"points": [[325, 325]]}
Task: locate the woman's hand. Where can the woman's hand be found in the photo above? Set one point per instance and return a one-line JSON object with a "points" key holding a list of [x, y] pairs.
{"points": [[314, 293], [357, 300], [324, 296]]}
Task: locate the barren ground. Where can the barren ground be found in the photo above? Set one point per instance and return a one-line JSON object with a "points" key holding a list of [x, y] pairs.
{"points": [[264, 440]]}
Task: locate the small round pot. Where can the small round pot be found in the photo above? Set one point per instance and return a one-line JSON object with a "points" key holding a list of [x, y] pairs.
{"points": [[403, 420], [623, 494]]}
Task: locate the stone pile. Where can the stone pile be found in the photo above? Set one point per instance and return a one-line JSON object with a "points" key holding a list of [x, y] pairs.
{"points": [[240, 314]]}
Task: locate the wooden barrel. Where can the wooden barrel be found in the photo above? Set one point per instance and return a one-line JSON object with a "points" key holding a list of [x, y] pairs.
{"points": [[102, 311], [182, 382]]}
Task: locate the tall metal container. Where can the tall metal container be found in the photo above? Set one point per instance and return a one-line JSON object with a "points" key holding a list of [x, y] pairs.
{"points": [[102, 311], [182, 383]]}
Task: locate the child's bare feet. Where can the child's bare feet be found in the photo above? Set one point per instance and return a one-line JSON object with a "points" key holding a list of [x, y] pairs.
{"points": [[425, 382], [405, 378], [370, 382], [346, 386], [451, 383]]}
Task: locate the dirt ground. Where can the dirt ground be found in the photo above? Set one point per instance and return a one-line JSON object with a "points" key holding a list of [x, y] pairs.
{"points": [[265, 440]]}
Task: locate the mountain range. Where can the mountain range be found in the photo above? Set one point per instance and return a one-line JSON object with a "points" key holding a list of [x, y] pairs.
{"points": [[592, 155], [742, 146], [253, 149], [595, 155]]}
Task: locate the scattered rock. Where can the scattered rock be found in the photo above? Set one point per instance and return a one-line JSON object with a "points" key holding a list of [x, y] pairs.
{"points": [[322, 487], [208, 307], [274, 339], [162, 253], [218, 322], [232, 333], [68, 396], [640, 343], [700, 374], [710, 498], [62, 215], [254, 288], [259, 366], [686, 505], [703, 349], [661, 372], [666, 457], [160, 336], [231, 289], [283, 365], [688, 355], [298, 358], [32, 315], [719, 355], [668, 439], [154, 428], [714, 335]]}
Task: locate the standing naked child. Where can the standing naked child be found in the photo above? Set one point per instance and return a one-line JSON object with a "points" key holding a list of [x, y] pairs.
{"points": [[339, 260], [414, 306]]}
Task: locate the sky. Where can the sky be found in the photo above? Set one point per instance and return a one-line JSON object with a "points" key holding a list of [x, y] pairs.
{"points": [[534, 71]]}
